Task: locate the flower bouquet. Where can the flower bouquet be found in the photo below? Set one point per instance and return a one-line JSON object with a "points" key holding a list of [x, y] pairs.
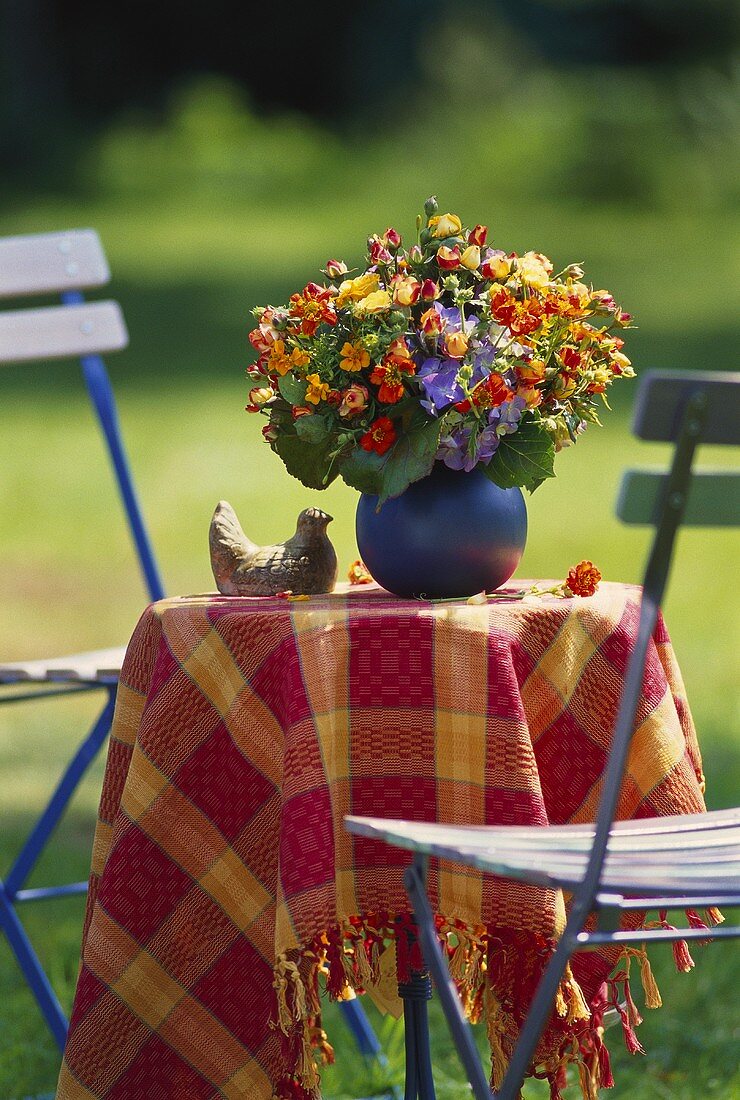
{"points": [[449, 351]]}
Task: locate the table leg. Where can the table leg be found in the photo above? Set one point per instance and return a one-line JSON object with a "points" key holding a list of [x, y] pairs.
{"points": [[415, 994]]}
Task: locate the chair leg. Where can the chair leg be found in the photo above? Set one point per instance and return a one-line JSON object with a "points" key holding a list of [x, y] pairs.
{"points": [[57, 804], [32, 970], [460, 1029], [365, 1038]]}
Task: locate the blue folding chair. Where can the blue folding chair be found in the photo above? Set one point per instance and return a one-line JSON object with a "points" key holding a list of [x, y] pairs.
{"points": [[67, 264], [681, 862]]}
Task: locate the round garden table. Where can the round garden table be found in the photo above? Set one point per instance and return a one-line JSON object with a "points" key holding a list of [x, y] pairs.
{"points": [[223, 882]]}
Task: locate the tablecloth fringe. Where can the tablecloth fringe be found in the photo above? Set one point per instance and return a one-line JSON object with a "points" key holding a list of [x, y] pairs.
{"points": [[496, 971]]}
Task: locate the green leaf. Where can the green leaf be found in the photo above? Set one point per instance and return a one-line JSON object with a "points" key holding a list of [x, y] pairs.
{"points": [[363, 470], [312, 463], [524, 458], [293, 389], [314, 429], [411, 459]]}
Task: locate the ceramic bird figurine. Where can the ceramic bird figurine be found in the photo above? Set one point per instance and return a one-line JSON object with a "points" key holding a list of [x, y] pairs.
{"points": [[304, 565]]}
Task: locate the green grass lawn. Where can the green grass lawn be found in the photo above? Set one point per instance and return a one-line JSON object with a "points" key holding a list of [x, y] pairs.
{"points": [[188, 265]]}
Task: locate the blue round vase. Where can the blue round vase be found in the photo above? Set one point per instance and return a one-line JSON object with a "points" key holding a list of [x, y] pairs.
{"points": [[450, 534]]}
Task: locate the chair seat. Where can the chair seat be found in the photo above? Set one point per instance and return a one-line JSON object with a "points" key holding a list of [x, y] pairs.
{"points": [[688, 854], [98, 666]]}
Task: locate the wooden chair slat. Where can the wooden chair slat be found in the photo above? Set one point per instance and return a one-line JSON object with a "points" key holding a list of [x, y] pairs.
{"points": [[100, 664], [713, 498], [57, 332], [663, 395], [52, 262]]}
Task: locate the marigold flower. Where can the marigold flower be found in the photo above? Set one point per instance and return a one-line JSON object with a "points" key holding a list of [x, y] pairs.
{"points": [[448, 258], [352, 290], [389, 374], [354, 400], [583, 579], [470, 258], [299, 358], [406, 291], [359, 573], [377, 302], [430, 290], [456, 344], [445, 225], [278, 361], [492, 392], [317, 390], [354, 357], [312, 307], [380, 437], [478, 235]]}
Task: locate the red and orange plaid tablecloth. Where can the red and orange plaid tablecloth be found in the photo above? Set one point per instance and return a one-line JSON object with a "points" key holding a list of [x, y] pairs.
{"points": [[223, 882]]}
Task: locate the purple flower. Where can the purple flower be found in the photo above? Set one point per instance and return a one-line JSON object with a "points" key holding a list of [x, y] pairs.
{"points": [[451, 317], [454, 450], [438, 378], [510, 414]]}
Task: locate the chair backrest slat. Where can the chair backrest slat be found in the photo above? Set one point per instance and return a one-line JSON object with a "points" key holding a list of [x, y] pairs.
{"points": [[45, 263], [663, 394], [713, 499], [56, 332]]}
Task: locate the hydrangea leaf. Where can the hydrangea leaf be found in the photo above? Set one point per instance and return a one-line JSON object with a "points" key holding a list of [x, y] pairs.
{"points": [[312, 463], [524, 458], [363, 470], [314, 429], [293, 389], [411, 459]]}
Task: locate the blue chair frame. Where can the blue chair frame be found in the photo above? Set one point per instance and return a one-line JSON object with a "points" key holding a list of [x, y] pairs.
{"points": [[13, 891]]}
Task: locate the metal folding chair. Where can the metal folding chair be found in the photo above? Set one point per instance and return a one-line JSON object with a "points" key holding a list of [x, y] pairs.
{"points": [[67, 264], [668, 863], [64, 264]]}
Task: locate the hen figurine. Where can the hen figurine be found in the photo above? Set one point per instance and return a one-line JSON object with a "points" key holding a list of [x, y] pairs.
{"points": [[304, 565]]}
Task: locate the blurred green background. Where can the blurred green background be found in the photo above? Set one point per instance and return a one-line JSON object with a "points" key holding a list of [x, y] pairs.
{"points": [[223, 160]]}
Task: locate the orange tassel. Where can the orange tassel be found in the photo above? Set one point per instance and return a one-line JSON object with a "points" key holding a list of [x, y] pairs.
{"points": [[714, 916], [682, 956], [653, 998]]}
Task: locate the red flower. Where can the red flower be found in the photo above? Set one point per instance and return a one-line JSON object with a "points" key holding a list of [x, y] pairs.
{"points": [[430, 290], [583, 579], [571, 359], [379, 254], [389, 373], [392, 238], [478, 235], [380, 437], [312, 307]]}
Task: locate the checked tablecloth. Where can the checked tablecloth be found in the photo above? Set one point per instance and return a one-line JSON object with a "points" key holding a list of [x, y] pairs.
{"points": [[223, 882]]}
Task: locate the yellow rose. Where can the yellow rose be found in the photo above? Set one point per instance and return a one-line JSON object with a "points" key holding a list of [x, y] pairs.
{"points": [[471, 257], [534, 269], [456, 344], [445, 225], [352, 290], [406, 291], [377, 302]]}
